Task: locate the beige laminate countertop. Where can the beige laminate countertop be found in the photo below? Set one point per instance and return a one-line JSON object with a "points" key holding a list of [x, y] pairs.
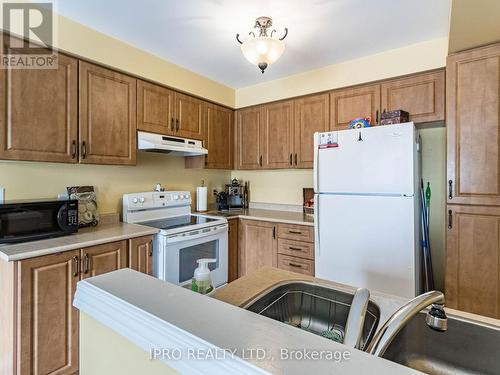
{"points": [[84, 238], [288, 217]]}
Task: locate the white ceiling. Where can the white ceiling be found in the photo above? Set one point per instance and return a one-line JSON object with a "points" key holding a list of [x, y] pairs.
{"points": [[200, 34]]}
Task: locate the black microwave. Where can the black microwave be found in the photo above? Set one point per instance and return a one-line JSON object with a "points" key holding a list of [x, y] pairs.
{"points": [[22, 221]]}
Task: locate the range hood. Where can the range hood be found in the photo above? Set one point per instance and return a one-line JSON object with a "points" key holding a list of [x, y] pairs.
{"points": [[167, 144]]}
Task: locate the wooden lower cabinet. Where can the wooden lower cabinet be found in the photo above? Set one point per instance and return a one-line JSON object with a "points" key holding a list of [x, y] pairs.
{"points": [[39, 325], [232, 262], [258, 245], [140, 254], [472, 281], [47, 322]]}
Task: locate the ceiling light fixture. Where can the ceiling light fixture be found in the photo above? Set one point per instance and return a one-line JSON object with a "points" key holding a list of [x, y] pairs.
{"points": [[263, 50]]}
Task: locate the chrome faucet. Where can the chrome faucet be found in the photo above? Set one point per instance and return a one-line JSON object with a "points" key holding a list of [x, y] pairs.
{"points": [[435, 319]]}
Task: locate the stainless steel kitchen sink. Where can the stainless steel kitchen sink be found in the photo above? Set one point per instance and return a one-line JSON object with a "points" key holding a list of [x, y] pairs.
{"points": [[313, 308], [467, 347]]}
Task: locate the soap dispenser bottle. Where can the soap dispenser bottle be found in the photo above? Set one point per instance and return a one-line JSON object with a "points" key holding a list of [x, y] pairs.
{"points": [[202, 283]]}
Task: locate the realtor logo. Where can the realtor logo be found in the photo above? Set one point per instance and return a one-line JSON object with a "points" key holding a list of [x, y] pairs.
{"points": [[29, 45]]}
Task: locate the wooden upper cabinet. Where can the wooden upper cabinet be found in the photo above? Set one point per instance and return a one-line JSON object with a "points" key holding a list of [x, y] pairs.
{"points": [[348, 104], [248, 138], [140, 254], [39, 113], [107, 116], [155, 108], [258, 245], [473, 126], [47, 341], [100, 259], [422, 95], [277, 135], [219, 137], [312, 114], [472, 281], [190, 116]]}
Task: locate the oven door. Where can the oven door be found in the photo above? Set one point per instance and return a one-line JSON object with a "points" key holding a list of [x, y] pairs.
{"points": [[176, 255]]}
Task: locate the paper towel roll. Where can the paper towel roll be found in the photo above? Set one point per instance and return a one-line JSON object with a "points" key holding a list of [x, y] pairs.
{"points": [[201, 198]]}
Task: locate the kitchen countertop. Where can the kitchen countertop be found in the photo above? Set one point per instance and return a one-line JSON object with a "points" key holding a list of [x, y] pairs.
{"points": [[156, 314], [84, 238], [289, 217]]}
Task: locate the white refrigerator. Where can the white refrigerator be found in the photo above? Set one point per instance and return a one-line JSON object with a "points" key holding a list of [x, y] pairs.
{"points": [[367, 215]]}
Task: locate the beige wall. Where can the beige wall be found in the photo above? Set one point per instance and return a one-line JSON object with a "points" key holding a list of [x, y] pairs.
{"points": [[474, 23], [410, 59], [27, 180], [103, 351]]}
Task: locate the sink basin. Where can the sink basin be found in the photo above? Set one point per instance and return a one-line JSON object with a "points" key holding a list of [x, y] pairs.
{"points": [[466, 347], [313, 308]]}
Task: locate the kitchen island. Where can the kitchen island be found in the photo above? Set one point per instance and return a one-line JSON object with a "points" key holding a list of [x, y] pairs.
{"points": [[161, 319]]}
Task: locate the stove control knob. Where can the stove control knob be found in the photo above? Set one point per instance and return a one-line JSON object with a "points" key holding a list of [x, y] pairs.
{"points": [[142, 200], [135, 200], [176, 197], [186, 196]]}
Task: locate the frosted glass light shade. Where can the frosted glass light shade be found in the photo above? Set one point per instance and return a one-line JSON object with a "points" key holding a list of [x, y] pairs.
{"points": [[262, 50]]}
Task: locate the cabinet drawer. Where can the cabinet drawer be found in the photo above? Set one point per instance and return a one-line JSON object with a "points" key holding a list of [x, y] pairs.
{"points": [[295, 264], [296, 248], [296, 232]]}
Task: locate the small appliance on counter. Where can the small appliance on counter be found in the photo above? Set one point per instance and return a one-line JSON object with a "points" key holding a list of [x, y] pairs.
{"points": [[234, 197], [22, 221]]}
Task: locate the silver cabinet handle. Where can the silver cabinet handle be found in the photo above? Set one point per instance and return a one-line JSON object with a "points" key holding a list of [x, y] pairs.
{"points": [[86, 264], [76, 266]]}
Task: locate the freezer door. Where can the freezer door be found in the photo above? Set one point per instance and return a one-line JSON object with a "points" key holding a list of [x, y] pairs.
{"points": [[367, 241], [380, 159]]}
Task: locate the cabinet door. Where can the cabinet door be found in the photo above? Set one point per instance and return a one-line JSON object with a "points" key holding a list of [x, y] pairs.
{"points": [[312, 114], [258, 245], [155, 108], [100, 259], [219, 137], [473, 126], [233, 250], [190, 116], [248, 138], [107, 116], [421, 95], [140, 254], [47, 320], [348, 104], [277, 135], [39, 114], [472, 260]]}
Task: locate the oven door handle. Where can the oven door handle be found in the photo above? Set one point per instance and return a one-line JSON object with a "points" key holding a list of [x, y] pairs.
{"points": [[199, 233]]}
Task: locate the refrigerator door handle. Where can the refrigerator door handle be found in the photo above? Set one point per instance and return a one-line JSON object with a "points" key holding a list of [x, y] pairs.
{"points": [[316, 224], [316, 163]]}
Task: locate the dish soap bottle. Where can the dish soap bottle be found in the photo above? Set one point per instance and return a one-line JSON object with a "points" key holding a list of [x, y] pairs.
{"points": [[202, 283]]}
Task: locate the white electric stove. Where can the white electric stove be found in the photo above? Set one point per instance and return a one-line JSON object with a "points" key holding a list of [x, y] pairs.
{"points": [[183, 238]]}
